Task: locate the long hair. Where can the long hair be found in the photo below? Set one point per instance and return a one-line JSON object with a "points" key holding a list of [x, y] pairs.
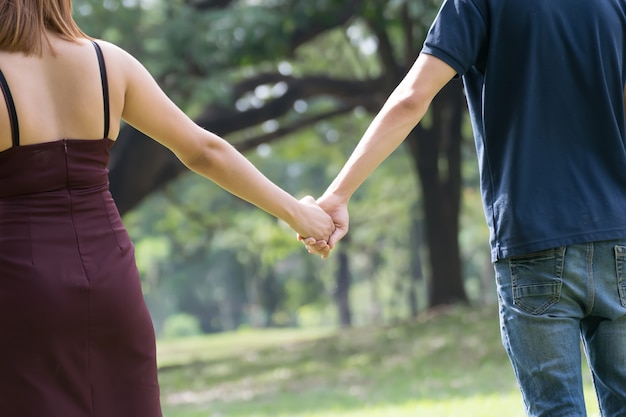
{"points": [[23, 24]]}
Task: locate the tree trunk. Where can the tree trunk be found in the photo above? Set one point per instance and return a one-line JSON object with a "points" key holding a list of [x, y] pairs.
{"points": [[270, 297], [342, 291], [436, 150], [375, 307], [417, 275]]}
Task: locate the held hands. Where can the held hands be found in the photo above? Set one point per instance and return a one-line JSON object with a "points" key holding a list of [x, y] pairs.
{"points": [[313, 222], [338, 211]]}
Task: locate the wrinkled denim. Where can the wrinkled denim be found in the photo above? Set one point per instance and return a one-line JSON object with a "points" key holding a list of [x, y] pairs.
{"points": [[549, 301]]}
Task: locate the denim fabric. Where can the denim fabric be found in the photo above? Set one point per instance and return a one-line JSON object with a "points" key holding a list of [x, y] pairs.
{"points": [[549, 300]]}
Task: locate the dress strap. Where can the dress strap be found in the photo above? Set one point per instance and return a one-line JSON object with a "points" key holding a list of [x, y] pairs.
{"points": [[105, 88], [15, 129]]}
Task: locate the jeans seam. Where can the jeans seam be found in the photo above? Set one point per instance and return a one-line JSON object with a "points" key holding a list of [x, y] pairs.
{"points": [[620, 259], [590, 279]]}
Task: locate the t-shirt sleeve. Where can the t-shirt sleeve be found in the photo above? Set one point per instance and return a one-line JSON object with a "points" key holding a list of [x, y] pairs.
{"points": [[458, 35]]}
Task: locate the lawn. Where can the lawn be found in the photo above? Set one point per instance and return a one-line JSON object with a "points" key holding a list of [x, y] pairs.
{"points": [[444, 364]]}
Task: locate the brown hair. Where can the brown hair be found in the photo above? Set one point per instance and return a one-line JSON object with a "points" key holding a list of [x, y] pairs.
{"points": [[23, 24]]}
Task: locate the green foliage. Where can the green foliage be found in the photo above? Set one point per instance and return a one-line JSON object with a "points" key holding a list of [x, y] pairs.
{"points": [[233, 265], [113, 20], [446, 364], [180, 325], [206, 253]]}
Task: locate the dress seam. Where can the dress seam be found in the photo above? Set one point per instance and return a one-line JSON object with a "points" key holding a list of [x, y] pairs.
{"points": [[87, 288]]}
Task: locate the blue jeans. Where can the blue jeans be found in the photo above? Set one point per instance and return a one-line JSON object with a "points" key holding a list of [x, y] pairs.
{"points": [[549, 301]]}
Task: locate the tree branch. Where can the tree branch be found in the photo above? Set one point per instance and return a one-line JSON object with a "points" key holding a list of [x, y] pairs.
{"points": [[280, 133], [325, 22], [348, 93], [385, 51], [202, 5]]}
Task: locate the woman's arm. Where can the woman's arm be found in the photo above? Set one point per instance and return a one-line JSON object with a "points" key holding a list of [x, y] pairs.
{"points": [[149, 110]]}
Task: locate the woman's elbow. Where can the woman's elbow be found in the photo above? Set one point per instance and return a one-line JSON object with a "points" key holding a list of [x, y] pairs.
{"points": [[200, 152]]}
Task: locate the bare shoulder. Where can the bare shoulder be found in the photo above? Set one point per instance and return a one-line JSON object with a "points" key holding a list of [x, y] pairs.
{"points": [[114, 53], [122, 66]]}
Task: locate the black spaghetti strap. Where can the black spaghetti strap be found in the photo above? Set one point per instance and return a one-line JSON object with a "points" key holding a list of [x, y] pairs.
{"points": [[15, 129], [105, 88]]}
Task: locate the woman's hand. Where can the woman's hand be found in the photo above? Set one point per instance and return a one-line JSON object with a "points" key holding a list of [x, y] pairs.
{"points": [[313, 222]]}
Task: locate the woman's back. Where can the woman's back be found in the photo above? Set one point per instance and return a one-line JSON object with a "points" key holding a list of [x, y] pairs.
{"points": [[58, 95]]}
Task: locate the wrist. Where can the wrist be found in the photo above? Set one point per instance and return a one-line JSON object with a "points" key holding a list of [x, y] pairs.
{"points": [[336, 196], [292, 212]]}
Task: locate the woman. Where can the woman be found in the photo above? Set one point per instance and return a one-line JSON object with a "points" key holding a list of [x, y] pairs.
{"points": [[76, 338]]}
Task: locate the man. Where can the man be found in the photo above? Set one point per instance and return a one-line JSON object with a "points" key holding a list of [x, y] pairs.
{"points": [[545, 85]]}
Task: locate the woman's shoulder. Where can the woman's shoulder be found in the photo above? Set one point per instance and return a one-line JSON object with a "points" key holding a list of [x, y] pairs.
{"points": [[119, 60], [112, 50], [119, 53]]}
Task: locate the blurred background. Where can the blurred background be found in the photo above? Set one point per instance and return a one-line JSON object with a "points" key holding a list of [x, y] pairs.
{"points": [[401, 319]]}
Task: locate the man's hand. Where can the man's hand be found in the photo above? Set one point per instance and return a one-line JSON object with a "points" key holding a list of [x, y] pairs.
{"points": [[338, 211]]}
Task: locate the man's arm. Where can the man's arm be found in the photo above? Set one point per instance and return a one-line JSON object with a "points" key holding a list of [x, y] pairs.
{"points": [[402, 111]]}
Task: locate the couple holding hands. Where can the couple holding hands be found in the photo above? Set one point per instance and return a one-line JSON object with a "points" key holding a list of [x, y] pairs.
{"points": [[545, 85]]}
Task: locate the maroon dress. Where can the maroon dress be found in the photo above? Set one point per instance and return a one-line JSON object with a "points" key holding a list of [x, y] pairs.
{"points": [[76, 338]]}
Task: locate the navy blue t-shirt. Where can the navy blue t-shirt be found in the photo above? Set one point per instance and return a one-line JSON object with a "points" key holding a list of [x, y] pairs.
{"points": [[544, 81]]}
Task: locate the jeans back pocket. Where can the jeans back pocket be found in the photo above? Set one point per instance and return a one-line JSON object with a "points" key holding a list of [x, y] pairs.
{"points": [[537, 280]]}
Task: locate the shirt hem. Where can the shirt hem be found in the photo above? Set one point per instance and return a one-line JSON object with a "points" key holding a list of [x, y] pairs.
{"points": [[500, 252]]}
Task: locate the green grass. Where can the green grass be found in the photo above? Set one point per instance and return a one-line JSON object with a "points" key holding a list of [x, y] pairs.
{"points": [[443, 364], [174, 353]]}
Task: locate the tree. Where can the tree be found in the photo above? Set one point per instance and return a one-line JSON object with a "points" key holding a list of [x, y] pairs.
{"points": [[237, 65], [437, 152]]}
